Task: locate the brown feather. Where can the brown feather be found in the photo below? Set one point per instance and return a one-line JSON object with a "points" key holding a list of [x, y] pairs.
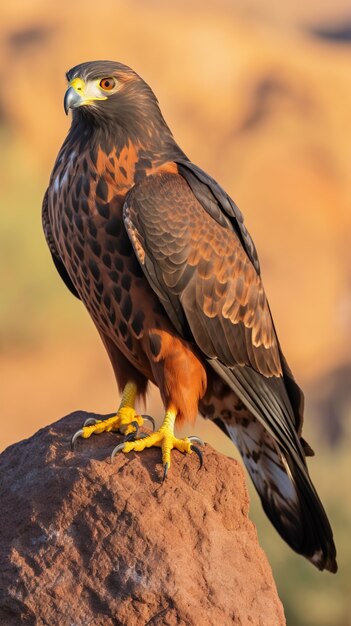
{"points": [[223, 284]]}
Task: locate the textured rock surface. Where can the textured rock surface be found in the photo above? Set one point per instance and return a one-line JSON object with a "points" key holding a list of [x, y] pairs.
{"points": [[84, 542]]}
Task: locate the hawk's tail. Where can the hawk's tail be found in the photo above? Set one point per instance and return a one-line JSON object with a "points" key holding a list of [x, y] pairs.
{"points": [[287, 494]]}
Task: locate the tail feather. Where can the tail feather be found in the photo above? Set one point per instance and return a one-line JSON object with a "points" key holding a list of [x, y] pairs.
{"points": [[259, 420], [288, 496]]}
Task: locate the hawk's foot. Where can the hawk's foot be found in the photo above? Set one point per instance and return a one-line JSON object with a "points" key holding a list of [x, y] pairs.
{"points": [[163, 438], [127, 421]]}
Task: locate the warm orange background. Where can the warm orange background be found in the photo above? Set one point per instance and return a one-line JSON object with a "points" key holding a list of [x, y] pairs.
{"points": [[260, 101]]}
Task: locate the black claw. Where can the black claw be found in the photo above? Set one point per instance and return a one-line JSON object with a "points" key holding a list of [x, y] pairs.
{"points": [[75, 437], [90, 421], [165, 472], [130, 437], [197, 440], [117, 449], [150, 419], [136, 426], [199, 454]]}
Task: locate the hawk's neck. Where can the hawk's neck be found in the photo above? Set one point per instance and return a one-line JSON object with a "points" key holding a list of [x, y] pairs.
{"points": [[124, 159]]}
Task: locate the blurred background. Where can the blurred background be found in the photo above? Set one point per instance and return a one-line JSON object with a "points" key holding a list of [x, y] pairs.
{"points": [[259, 95]]}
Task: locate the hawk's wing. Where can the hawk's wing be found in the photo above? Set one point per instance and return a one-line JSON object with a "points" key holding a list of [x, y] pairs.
{"points": [[54, 253], [206, 281], [197, 260], [220, 206]]}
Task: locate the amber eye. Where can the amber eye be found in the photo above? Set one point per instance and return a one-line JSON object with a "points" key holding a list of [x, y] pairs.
{"points": [[107, 83]]}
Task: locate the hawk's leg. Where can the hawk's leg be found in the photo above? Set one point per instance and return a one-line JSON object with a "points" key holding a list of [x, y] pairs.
{"points": [[126, 420], [163, 438]]}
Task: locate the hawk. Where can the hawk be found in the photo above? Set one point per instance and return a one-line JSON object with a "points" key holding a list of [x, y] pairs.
{"points": [[159, 254]]}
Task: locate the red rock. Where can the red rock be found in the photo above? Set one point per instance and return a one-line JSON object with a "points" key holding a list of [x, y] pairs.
{"points": [[85, 542]]}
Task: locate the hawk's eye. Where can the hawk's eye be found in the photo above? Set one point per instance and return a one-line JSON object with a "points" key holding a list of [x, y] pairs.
{"points": [[107, 83]]}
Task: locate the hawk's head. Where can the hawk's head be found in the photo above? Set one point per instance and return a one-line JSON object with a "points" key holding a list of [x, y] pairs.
{"points": [[106, 92]]}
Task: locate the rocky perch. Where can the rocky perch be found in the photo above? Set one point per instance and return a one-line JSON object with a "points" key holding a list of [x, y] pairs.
{"points": [[86, 542]]}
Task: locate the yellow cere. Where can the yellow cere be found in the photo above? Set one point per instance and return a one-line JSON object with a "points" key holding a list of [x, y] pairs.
{"points": [[88, 91], [78, 84]]}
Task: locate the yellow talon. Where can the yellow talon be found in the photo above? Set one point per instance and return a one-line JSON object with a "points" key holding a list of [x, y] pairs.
{"points": [[163, 438], [126, 420], [165, 441]]}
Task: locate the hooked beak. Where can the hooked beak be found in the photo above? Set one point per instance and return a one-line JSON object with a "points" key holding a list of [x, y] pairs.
{"points": [[72, 99]]}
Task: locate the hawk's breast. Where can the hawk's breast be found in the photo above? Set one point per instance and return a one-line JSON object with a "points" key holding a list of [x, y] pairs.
{"points": [[85, 211]]}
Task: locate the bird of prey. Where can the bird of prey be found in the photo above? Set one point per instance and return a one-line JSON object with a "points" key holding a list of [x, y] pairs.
{"points": [[159, 254]]}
